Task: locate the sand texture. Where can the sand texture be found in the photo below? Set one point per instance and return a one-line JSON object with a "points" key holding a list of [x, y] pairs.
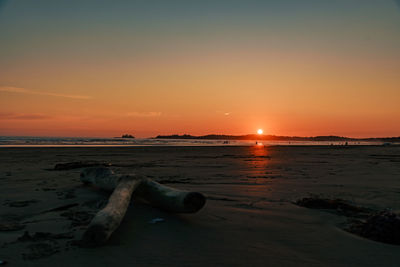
{"points": [[250, 218]]}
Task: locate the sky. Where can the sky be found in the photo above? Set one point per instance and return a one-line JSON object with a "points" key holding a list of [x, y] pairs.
{"points": [[290, 67]]}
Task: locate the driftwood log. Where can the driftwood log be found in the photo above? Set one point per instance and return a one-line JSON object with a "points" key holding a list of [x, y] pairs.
{"points": [[123, 188], [109, 218]]}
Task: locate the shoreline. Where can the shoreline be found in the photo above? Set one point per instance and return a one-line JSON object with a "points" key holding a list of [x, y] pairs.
{"points": [[372, 144]]}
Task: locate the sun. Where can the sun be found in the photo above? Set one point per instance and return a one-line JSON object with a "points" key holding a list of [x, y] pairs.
{"points": [[260, 131]]}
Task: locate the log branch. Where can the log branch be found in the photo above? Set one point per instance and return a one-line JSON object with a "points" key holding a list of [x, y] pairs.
{"points": [[168, 198], [108, 219]]}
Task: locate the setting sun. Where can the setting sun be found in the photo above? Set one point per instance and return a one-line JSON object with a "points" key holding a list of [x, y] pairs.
{"points": [[260, 131]]}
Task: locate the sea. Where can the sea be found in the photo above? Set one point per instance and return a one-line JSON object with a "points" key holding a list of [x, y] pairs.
{"points": [[34, 141]]}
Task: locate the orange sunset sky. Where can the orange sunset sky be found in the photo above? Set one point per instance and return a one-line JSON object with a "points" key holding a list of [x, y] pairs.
{"points": [[104, 68]]}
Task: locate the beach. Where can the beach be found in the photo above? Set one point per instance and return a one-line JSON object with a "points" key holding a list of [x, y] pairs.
{"points": [[250, 218]]}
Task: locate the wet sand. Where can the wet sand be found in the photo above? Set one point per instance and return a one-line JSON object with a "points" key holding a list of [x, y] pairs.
{"points": [[249, 218]]}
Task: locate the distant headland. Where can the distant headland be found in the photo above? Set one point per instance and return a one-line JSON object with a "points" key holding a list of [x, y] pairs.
{"points": [[278, 138], [127, 136]]}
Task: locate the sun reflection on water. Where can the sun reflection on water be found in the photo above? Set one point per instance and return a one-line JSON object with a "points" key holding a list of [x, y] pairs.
{"points": [[257, 172]]}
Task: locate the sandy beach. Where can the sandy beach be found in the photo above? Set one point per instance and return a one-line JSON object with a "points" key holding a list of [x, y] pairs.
{"points": [[249, 218]]}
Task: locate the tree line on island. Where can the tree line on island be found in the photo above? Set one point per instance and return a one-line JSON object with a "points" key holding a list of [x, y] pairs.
{"points": [[277, 138], [127, 136]]}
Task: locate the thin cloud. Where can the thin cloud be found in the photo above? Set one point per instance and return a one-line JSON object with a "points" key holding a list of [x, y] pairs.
{"points": [[144, 114], [225, 113], [23, 116], [18, 90]]}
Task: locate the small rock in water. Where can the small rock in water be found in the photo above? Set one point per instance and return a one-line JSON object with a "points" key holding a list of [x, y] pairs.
{"points": [[156, 220]]}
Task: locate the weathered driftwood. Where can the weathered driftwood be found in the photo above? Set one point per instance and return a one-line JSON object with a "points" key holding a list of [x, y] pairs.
{"points": [[123, 187], [168, 198], [157, 195], [109, 218]]}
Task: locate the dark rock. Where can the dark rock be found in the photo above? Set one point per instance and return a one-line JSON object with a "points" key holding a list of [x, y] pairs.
{"points": [[21, 204], [338, 205], [383, 227], [11, 226], [79, 164]]}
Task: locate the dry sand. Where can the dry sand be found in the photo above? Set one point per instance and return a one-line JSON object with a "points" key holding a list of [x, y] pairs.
{"points": [[249, 218]]}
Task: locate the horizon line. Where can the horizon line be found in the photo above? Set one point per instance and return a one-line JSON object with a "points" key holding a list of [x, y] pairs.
{"points": [[232, 135]]}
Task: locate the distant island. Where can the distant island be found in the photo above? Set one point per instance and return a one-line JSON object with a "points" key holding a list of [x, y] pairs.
{"points": [[278, 138], [127, 136]]}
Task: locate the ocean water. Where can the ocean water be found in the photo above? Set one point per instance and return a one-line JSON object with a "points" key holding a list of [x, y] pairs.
{"points": [[29, 141]]}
